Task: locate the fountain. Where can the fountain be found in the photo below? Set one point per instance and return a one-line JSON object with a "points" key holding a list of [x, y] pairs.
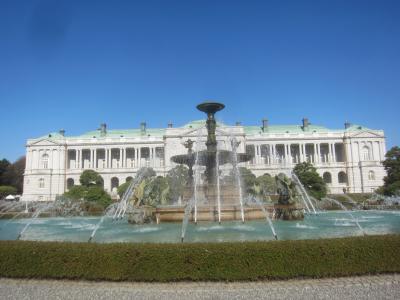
{"points": [[207, 198], [221, 201]]}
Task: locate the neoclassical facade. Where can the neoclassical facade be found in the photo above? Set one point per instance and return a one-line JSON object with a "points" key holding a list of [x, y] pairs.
{"points": [[348, 159]]}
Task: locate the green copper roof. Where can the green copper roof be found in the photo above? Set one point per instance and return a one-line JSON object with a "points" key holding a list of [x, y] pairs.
{"points": [[355, 127], [160, 132], [298, 129], [124, 133], [285, 129], [52, 135]]}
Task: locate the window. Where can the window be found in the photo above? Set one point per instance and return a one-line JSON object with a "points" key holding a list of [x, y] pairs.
{"points": [[45, 161], [114, 183], [327, 177], [70, 183], [365, 153], [371, 175], [342, 177], [41, 183]]}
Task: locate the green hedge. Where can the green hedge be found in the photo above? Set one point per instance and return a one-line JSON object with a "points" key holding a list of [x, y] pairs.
{"points": [[198, 261]]}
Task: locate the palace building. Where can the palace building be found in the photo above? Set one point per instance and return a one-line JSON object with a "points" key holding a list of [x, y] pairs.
{"points": [[348, 159]]}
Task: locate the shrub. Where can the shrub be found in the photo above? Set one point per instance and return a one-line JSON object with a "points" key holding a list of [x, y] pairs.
{"points": [[98, 195], [76, 192], [201, 261]]}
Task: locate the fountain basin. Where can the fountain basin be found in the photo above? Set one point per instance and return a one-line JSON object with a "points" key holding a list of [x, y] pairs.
{"points": [[209, 213], [210, 107], [330, 224]]}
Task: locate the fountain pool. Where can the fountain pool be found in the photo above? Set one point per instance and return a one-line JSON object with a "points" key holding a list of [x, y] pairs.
{"points": [[329, 224]]}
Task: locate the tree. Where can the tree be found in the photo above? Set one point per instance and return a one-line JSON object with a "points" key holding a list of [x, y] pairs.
{"points": [[391, 184], [6, 190], [4, 164], [14, 174], [89, 178], [311, 180], [98, 195]]}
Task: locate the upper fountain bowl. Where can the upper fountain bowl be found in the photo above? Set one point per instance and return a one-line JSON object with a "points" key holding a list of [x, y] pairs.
{"points": [[210, 107]]}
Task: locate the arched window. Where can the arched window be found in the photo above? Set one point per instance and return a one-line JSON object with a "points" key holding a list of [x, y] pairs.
{"points": [[114, 183], [365, 153], [45, 161], [70, 183], [371, 175], [128, 179], [327, 177], [342, 177], [41, 183]]}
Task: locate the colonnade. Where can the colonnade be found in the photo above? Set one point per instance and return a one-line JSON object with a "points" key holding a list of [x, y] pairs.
{"points": [[115, 158], [292, 153]]}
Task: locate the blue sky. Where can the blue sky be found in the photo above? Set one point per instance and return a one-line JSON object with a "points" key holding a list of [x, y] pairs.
{"points": [[76, 64]]}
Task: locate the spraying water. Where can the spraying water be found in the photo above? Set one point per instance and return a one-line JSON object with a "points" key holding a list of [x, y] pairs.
{"points": [[348, 212], [303, 198], [34, 217], [185, 220], [218, 187], [303, 191], [9, 206], [258, 202], [196, 174], [237, 175], [351, 201], [122, 205], [106, 214]]}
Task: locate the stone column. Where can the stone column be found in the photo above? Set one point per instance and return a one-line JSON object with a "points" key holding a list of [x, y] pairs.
{"points": [[136, 157], [78, 159], [140, 157], [94, 159], [372, 151], [123, 157], [91, 159], [288, 157], [120, 158], [285, 155], [304, 154], [334, 152], [107, 158], [315, 156], [330, 155], [381, 155]]}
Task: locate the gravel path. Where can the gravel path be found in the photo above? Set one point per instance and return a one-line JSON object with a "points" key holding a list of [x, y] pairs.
{"points": [[365, 287]]}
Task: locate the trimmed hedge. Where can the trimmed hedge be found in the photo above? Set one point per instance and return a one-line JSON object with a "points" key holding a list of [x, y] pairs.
{"points": [[201, 261]]}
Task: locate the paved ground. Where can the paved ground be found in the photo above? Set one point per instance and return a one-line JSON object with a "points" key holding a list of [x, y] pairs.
{"points": [[366, 287]]}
